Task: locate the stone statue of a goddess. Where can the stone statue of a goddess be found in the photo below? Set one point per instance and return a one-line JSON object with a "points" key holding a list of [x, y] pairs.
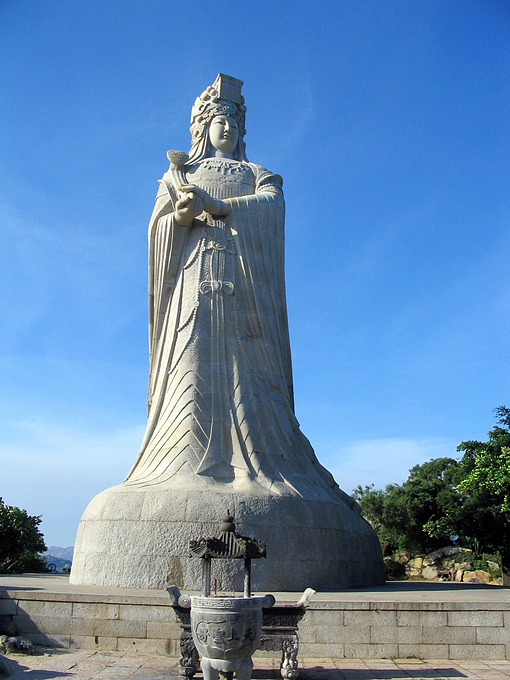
{"points": [[221, 427]]}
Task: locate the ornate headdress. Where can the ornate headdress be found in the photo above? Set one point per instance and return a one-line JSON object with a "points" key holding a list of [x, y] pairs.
{"points": [[223, 97]]}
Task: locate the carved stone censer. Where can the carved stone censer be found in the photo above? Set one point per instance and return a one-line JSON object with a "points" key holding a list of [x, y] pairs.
{"points": [[226, 629]]}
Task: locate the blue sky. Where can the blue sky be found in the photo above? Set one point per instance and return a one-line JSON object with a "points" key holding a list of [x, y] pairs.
{"points": [[389, 122]]}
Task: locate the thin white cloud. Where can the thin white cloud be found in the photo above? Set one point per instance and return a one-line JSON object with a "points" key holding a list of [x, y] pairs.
{"points": [[54, 471], [384, 461]]}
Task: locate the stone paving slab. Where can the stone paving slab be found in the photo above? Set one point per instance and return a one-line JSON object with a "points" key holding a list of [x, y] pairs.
{"points": [[50, 664]]}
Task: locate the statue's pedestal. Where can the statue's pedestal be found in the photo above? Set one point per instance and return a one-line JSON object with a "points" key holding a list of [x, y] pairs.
{"points": [[138, 537]]}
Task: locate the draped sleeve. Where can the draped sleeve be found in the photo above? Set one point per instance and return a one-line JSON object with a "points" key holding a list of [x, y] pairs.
{"points": [[166, 242], [258, 221]]}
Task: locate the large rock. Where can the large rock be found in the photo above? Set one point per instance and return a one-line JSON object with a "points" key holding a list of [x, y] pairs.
{"points": [[476, 576], [438, 555], [414, 567], [430, 573]]}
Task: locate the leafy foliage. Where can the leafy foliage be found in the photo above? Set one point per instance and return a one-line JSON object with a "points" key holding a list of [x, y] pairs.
{"points": [[20, 541], [429, 494], [372, 505], [486, 487], [489, 563], [401, 513]]}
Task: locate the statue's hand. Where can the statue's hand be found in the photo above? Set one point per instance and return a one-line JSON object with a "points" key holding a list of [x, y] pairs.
{"points": [[211, 205], [188, 206]]}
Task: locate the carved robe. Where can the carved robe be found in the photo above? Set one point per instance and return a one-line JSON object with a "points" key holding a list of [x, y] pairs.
{"points": [[220, 384]]}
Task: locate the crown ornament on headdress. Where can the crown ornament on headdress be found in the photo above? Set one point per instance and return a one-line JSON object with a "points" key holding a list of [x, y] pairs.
{"points": [[223, 97]]}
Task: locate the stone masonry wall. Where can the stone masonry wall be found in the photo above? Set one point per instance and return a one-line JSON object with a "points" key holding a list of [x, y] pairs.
{"points": [[428, 630]]}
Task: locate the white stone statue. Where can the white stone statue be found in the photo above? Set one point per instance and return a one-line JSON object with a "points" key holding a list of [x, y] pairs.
{"points": [[220, 386], [221, 427]]}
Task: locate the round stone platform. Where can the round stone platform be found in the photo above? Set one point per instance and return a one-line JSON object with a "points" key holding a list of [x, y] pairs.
{"points": [[139, 537]]}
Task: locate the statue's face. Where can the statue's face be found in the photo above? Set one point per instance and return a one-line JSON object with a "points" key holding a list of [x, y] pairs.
{"points": [[224, 133]]}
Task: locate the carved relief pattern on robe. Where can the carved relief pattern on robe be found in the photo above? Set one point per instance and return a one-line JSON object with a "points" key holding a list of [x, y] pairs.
{"points": [[221, 402]]}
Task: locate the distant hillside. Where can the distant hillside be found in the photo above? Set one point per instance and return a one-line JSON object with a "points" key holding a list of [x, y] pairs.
{"points": [[62, 553]]}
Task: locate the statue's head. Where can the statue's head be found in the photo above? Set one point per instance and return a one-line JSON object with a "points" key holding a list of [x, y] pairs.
{"points": [[217, 117], [224, 133]]}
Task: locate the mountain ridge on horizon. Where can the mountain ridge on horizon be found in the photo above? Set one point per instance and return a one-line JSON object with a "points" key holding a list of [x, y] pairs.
{"points": [[58, 551]]}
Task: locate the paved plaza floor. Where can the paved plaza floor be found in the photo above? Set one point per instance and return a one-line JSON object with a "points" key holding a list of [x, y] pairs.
{"points": [[394, 591], [48, 664]]}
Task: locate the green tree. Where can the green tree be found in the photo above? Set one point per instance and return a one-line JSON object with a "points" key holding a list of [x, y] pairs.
{"points": [[400, 513], [426, 496], [485, 517], [371, 502], [20, 541]]}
